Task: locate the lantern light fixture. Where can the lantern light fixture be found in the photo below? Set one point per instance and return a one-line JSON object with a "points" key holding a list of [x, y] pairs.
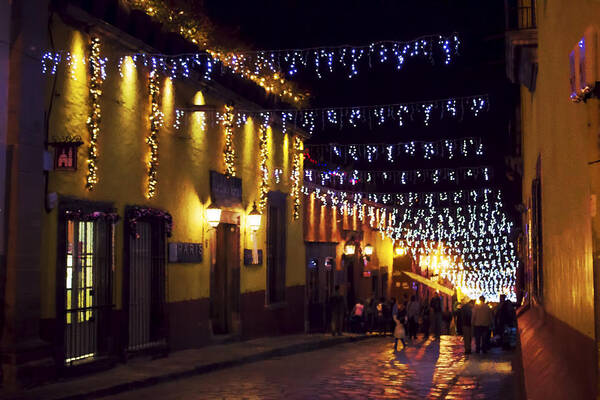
{"points": [[254, 219], [349, 249], [368, 250], [213, 216], [400, 251]]}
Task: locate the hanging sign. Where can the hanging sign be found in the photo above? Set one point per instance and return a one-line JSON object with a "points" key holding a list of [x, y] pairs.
{"points": [[225, 190], [65, 155]]}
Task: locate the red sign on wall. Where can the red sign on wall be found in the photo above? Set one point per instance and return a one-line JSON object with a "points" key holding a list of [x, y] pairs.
{"points": [[65, 156]]}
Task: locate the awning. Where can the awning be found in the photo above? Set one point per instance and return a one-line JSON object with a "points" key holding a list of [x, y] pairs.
{"points": [[430, 283]]}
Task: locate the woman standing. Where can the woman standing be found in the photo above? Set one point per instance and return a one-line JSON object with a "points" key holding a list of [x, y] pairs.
{"points": [[399, 333]]}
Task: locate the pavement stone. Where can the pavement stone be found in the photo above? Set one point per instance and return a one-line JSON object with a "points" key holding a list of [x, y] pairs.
{"points": [[427, 369], [143, 372]]}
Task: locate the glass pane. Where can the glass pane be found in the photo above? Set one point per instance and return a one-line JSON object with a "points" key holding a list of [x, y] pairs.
{"points": [[88, 276], [69, 279]]}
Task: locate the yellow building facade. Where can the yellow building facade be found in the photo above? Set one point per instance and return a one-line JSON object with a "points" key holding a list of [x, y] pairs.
{"points": [[237, 283]]}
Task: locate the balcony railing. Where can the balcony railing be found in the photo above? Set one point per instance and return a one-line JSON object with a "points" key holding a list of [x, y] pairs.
{"points": [[519, 14]]}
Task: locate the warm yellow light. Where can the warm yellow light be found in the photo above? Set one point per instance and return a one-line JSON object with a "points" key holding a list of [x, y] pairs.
{"points": [[349, 249], [213, 216], [477, 301], [368, 250], [254, 218], [400, 251]]}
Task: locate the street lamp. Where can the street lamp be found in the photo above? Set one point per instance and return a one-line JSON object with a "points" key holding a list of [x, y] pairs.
{"points": [[400, 251], [213, 216], [349, 249], [254, 218]]}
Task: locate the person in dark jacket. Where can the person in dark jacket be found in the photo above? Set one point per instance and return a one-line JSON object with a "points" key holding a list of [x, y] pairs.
{"points": [[466, 313], [425, 319], [436, 307], [337, 312], [504, 319]]}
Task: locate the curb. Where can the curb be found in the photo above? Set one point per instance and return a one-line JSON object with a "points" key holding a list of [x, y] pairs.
{"points": [[203, 369]]}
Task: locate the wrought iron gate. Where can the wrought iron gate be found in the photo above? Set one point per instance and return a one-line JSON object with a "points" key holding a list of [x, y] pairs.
{"points": [[88, 289], [147, 286]]}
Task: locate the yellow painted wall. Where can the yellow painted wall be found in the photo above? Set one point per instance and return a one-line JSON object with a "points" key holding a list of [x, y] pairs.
{"points": [[185, 156], [566, 136]]}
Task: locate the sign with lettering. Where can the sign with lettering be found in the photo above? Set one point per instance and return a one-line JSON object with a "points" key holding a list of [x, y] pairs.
{"points": [[225, 191], [185, 252]]}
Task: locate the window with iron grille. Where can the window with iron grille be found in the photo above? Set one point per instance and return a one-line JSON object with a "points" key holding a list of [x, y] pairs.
{"points": [[85, 293]]}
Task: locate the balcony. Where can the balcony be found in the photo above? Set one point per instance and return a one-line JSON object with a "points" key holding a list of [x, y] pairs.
{"points": [[521, 42]]}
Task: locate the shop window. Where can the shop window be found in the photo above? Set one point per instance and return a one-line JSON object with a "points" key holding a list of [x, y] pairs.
{"points": [[276, 256]]}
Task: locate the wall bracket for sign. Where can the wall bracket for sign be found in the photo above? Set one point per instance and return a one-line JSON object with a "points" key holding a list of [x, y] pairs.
{"points": [[65, 152]]}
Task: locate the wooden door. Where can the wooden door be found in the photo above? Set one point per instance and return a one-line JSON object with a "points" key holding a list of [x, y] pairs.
{"points": [[225, 279]]}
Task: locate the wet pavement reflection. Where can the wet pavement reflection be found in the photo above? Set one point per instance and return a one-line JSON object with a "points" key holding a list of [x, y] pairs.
{"points": [[426, 369]]}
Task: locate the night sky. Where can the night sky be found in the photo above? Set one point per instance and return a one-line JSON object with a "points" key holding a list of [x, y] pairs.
{"points": [[479, 69]]}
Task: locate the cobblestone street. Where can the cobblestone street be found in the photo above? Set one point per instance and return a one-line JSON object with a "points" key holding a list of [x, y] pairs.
{"points": [[427, 369]]}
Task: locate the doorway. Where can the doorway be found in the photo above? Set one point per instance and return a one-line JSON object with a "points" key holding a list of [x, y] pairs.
{"points": [[86, 296], [319, 284], [145, 289], [225, 280]]}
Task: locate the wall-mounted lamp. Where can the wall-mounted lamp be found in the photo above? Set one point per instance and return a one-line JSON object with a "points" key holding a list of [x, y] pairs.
{"points": [[400, 251], [349, 249], [213, 216], [254, 218], [368, 250]]}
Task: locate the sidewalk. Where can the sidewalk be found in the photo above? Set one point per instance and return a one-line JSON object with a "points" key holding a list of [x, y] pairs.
{"points": [[142, 372]]}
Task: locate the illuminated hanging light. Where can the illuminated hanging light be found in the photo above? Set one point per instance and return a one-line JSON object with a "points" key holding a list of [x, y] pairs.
{"points": [[399, 251], [156, 122], [263, 138], [213, 216], [254, 219], [295, 176], [349, 249], [96, 67], [377, 152], [228, 151]]}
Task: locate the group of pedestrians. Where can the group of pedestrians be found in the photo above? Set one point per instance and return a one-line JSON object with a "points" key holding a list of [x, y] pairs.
{"points": [[405, 318], [479, 320]]}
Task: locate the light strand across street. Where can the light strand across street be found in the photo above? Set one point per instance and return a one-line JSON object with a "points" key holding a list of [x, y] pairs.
{"points": [[481, 258], [469, 147], [354, 177]]}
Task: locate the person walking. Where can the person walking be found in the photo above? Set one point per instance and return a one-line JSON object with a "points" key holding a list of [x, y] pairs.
{"points": [[380, 316], [399, 332], [337, 312], [466, 313], [436, 308], [425, 319], [357, 317], [504, 319], [369, 314], [481, 320], [388, 315], [412, 314]]}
